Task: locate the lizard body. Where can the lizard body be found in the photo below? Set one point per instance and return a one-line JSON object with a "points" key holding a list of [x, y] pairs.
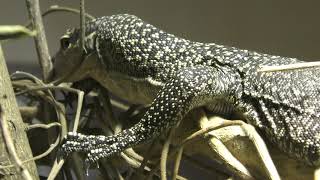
{"points": [[145, 65]]}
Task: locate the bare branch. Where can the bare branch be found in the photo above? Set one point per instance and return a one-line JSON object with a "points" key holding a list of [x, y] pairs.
{"points": [[43, 126], [177, 163], [289, 66], [164, 155], [10, 146], [15, 31], [82, 25], [56, 8], [40, 39]]}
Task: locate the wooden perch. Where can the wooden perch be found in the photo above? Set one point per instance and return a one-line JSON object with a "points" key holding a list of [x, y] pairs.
{"points": [[14, 144]]}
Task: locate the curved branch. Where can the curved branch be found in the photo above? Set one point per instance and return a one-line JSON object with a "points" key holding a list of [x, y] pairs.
{"points": [[56, 8], [10, 146]]}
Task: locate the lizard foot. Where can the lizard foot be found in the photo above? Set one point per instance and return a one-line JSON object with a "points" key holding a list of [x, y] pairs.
{"points": [[95, 147], [75, 142]]}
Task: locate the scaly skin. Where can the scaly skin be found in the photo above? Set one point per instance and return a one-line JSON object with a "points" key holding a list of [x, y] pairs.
{"points": [[145, 65]]}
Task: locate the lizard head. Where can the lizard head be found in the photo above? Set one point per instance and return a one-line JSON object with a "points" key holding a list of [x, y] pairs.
{"points": [[71, 63]]}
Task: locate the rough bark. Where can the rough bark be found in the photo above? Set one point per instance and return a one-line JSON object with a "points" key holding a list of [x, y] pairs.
{"points": [[17, 130]]}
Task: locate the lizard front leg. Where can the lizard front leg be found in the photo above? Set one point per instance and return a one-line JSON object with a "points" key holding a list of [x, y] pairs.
{"points": [[191, 87]]}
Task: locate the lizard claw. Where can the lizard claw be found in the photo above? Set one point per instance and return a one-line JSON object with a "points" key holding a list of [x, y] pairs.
{"points": [[95, 146], [74, 142], [92, 158], [87, 163]]}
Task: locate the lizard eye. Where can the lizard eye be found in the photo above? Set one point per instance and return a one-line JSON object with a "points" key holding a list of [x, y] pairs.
{"points": [[64, 43]]}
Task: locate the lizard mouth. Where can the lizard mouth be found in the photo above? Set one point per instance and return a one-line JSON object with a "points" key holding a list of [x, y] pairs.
{"points": [[56, 80], [71, 69]]}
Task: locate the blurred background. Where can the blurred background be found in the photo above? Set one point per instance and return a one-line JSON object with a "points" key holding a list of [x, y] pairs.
{"points": [[287, 28]]}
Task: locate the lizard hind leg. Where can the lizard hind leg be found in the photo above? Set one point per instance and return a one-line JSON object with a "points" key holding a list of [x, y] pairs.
{"points": [[189, 88]]}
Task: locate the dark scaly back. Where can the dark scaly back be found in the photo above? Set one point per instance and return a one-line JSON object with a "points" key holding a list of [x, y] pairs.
{"points": [[283, 104], [289, 109], [149, 51]]}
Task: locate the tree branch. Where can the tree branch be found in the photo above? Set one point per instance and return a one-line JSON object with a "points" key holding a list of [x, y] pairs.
{"points": [[12, 126], [40, 39]]}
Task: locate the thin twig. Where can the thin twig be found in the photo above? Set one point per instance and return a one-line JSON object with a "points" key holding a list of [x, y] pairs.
{"points": [[194, 136], [289, 66], [42, 49], [131, 153], [177, 163], [59, 108], [208, 129], [41, 88], [26, 75], [10, 146], [164, 155], [119, 105], [60, 114], [147, 156], [40, 156], [48, 97], [78, 111], [35, 82], [14, 32], [57, 165], [82, 25], [231, 163], [131, 161], [262, 151], [40, 38], [43, 126], [56, 8], [79, 102]]}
